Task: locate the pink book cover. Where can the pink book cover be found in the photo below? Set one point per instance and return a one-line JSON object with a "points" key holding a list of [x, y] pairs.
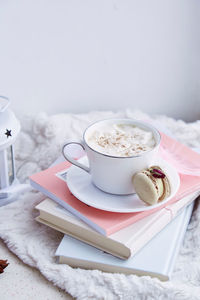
{"points": [[49, 183]]}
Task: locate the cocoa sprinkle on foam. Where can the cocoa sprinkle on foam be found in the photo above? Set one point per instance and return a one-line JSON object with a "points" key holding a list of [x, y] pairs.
{"points": [[122, 140]]}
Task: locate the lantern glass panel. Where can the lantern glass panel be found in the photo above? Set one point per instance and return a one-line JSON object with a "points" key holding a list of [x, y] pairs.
{"points": [[11, 167], [7, 167]]}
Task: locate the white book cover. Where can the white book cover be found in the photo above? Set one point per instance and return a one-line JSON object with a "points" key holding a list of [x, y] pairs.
{"points": [[156, 258]]}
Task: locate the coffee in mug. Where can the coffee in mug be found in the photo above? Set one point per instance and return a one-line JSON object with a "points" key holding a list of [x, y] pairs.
{"points": [[116, 150]]}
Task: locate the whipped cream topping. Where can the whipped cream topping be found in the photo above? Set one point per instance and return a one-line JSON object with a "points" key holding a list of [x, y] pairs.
{"points": [[121, 140]]}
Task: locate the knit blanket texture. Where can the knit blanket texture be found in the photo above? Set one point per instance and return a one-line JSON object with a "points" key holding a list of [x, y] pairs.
{"points": [[37, 147]]}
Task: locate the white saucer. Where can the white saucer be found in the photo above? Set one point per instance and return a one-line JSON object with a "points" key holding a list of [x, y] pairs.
{"points": [[80, 185]]}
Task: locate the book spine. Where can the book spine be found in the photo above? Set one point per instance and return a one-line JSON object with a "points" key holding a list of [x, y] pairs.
{"points": [[88, 236]]}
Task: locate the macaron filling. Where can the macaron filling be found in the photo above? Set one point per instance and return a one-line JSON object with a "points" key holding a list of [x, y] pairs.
{"points": [[158, 184]]}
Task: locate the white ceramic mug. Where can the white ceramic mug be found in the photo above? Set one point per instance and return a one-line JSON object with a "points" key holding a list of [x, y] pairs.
{"points": [[113, 174]]}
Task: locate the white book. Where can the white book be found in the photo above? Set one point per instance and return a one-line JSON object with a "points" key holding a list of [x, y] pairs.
{"points": [[156, 259]]}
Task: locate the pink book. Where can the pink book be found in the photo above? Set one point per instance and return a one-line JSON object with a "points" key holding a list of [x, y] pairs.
{"points": [[53, 186]]}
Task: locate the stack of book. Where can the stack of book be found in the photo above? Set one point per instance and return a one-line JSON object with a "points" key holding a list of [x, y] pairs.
{"points": [[142, 243]]}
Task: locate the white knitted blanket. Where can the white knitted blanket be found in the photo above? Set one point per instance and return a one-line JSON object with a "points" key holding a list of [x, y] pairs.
{"points": [[38, 145]]}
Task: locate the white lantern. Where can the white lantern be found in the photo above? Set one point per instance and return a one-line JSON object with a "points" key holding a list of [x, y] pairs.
{"points": [[9, 130]]}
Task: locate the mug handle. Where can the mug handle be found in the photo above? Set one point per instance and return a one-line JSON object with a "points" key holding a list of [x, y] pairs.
{"points": [[70, 159]]}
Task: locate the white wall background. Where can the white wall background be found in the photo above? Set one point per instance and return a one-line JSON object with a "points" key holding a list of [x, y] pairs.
{"points": [[81, 55]]}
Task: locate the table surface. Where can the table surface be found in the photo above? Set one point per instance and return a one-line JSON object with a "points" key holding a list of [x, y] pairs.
{"points": [[21, 282]]}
